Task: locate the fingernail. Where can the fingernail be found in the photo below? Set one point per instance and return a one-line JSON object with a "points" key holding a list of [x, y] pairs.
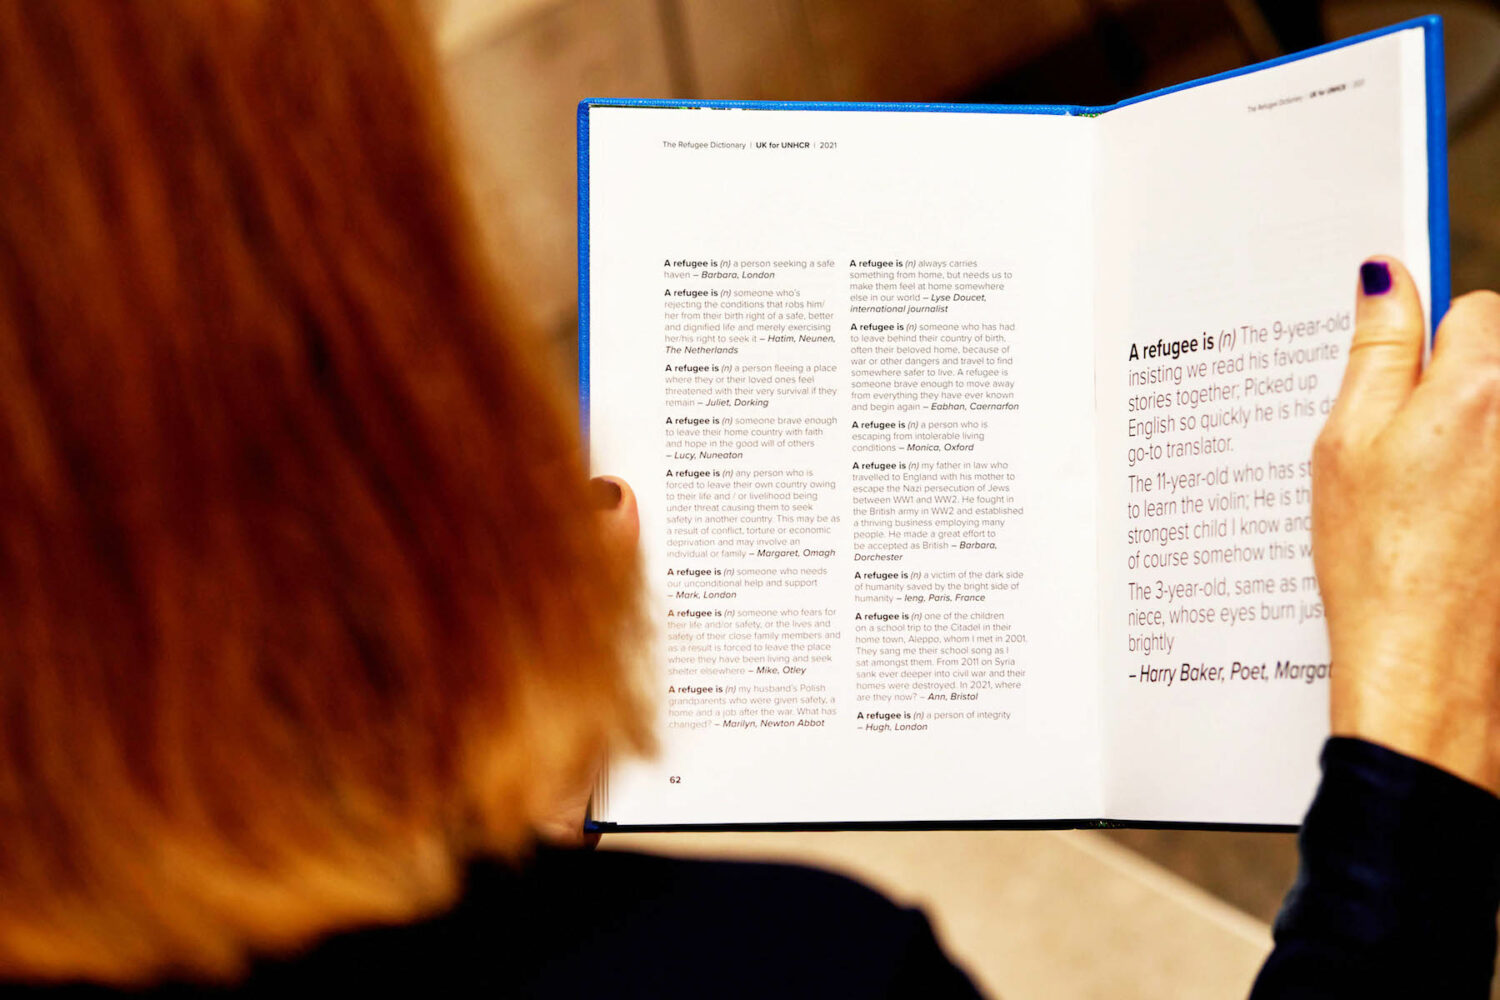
{"points": [[1375, 277], [606, 495]]}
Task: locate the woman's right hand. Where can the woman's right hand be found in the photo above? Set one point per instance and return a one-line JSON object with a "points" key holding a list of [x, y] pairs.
{"points": [[1406, 530]]}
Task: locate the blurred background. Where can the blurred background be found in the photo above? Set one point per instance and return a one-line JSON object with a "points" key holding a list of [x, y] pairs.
{"points": [[1126, 913]]}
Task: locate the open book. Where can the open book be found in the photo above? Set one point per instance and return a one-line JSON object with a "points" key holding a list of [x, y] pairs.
{"points": [[972, 442]]}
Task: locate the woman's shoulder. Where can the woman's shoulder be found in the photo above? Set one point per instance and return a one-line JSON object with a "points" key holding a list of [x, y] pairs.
{"points": [[581, 923], [638, 924], [589, 923]]}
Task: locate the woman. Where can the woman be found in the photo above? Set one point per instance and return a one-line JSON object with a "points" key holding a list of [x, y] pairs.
{"points": [[303, 603], [308, 624]]}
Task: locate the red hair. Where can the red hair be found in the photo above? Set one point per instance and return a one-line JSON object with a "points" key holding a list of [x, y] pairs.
{"points": [[301, 602]]}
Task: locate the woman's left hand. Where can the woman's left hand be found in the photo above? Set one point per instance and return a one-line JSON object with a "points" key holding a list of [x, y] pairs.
{"points": [[620, 526]]}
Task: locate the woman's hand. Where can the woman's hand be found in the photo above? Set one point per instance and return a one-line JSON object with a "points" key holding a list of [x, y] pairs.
{"points": [[620, 526], [1406, 530]]}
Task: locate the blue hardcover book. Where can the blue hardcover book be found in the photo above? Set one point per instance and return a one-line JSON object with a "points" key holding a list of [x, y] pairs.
{"points": [[971, 442]]}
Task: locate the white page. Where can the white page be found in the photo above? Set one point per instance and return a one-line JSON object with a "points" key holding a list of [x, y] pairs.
{"points": [[1014, 632], [1231, 208]]}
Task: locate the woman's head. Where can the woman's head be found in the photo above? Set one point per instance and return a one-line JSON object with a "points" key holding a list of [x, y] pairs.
{"points": [[300, 599]]}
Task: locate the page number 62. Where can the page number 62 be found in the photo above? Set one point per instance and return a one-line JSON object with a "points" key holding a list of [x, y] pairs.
{"points": [[675, 779]]}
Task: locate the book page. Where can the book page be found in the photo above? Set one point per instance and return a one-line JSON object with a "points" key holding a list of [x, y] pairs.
{"points": [[1235, 216], [845, 358]]}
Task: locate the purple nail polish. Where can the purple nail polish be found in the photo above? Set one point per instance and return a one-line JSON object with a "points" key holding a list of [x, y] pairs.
{"points": [[1375, 277]]}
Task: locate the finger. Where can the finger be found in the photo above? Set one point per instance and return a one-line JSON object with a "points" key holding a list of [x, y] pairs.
{"points": [[620, 519], [1385, 356], [1469, 336]]}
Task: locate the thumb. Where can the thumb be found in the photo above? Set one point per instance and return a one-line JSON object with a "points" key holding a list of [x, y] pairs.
{"points": [[1385, 357], [619, 518]]}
